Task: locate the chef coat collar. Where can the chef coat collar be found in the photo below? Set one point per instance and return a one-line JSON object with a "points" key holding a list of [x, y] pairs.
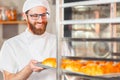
{"points": [[30, 35]]}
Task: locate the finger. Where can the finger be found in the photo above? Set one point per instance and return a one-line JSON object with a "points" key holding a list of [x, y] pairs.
{"points": [[37, 69], [34, 61]]}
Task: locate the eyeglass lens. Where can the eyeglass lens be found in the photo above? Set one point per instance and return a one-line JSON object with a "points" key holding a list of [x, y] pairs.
{"points": [[37, 16]]}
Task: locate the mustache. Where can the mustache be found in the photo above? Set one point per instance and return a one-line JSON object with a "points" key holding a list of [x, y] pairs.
{"points": [[38, 23]]}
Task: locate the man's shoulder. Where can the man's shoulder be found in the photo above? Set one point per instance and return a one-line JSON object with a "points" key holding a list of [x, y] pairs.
{"points": [[15, 38]]}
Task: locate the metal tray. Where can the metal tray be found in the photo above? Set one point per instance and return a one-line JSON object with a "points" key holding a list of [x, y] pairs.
{"points": [[111, 76], [43, 66], [82, 76], [88, 77]]}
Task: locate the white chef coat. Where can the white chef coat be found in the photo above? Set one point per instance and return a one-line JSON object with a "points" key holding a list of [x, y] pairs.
{"points": [[16, 52]]}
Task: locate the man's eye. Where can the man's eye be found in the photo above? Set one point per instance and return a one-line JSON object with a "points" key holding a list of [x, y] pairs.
{"points": [[43, 14], [35, 15]]}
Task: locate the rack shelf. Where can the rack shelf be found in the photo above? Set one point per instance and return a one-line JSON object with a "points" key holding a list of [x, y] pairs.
{"points": [[89, 2], [92, 21], [90, 58], [12, 22], [93, 39]]}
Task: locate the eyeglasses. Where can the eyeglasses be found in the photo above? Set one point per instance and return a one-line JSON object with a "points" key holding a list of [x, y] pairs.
{"points": [[37, 16]]}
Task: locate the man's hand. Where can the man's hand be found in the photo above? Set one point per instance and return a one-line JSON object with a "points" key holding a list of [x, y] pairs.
{"points": [[33, 66]]}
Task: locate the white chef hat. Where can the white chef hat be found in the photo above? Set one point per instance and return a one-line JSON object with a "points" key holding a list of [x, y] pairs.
{"points": [[34, 3]]}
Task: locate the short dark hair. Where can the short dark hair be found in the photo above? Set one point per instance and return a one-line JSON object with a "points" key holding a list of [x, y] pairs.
{"points": [[26, 12]]}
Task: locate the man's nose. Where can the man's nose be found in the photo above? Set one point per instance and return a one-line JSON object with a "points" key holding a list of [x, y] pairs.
{"points": [[40, 19]]}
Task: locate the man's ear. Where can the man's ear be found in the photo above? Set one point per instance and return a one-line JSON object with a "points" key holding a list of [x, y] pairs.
{"points": [[24, 16]]}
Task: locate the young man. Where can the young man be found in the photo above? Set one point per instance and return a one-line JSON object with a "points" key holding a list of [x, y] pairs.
{"points": [[20, 54]]}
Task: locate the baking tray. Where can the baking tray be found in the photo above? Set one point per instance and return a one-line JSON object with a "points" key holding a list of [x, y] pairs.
{"points": [[89, 77], [111, 76], [44, 66], [78, 75]]}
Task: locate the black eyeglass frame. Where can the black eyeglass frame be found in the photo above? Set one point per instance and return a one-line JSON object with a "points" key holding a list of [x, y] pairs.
{"points": [[37, 16]]}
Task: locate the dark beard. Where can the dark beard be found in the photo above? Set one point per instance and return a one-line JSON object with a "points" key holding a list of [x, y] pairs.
{"points": [[37, 31]]}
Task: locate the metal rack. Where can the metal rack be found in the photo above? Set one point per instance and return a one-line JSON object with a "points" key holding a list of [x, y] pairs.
{"points": [[60, 22]]}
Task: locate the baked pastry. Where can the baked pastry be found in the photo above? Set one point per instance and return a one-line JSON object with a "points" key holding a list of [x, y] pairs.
{"points": [[88, 67], [92, 69], [50, 62], [73, 66]]}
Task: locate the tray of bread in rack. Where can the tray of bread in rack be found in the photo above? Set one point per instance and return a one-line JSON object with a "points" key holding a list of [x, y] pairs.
{"points": [[100, 68]]}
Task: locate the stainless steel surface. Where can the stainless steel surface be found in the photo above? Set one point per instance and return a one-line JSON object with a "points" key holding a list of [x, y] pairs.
{"points": [[43, 66], [101, 49]]}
